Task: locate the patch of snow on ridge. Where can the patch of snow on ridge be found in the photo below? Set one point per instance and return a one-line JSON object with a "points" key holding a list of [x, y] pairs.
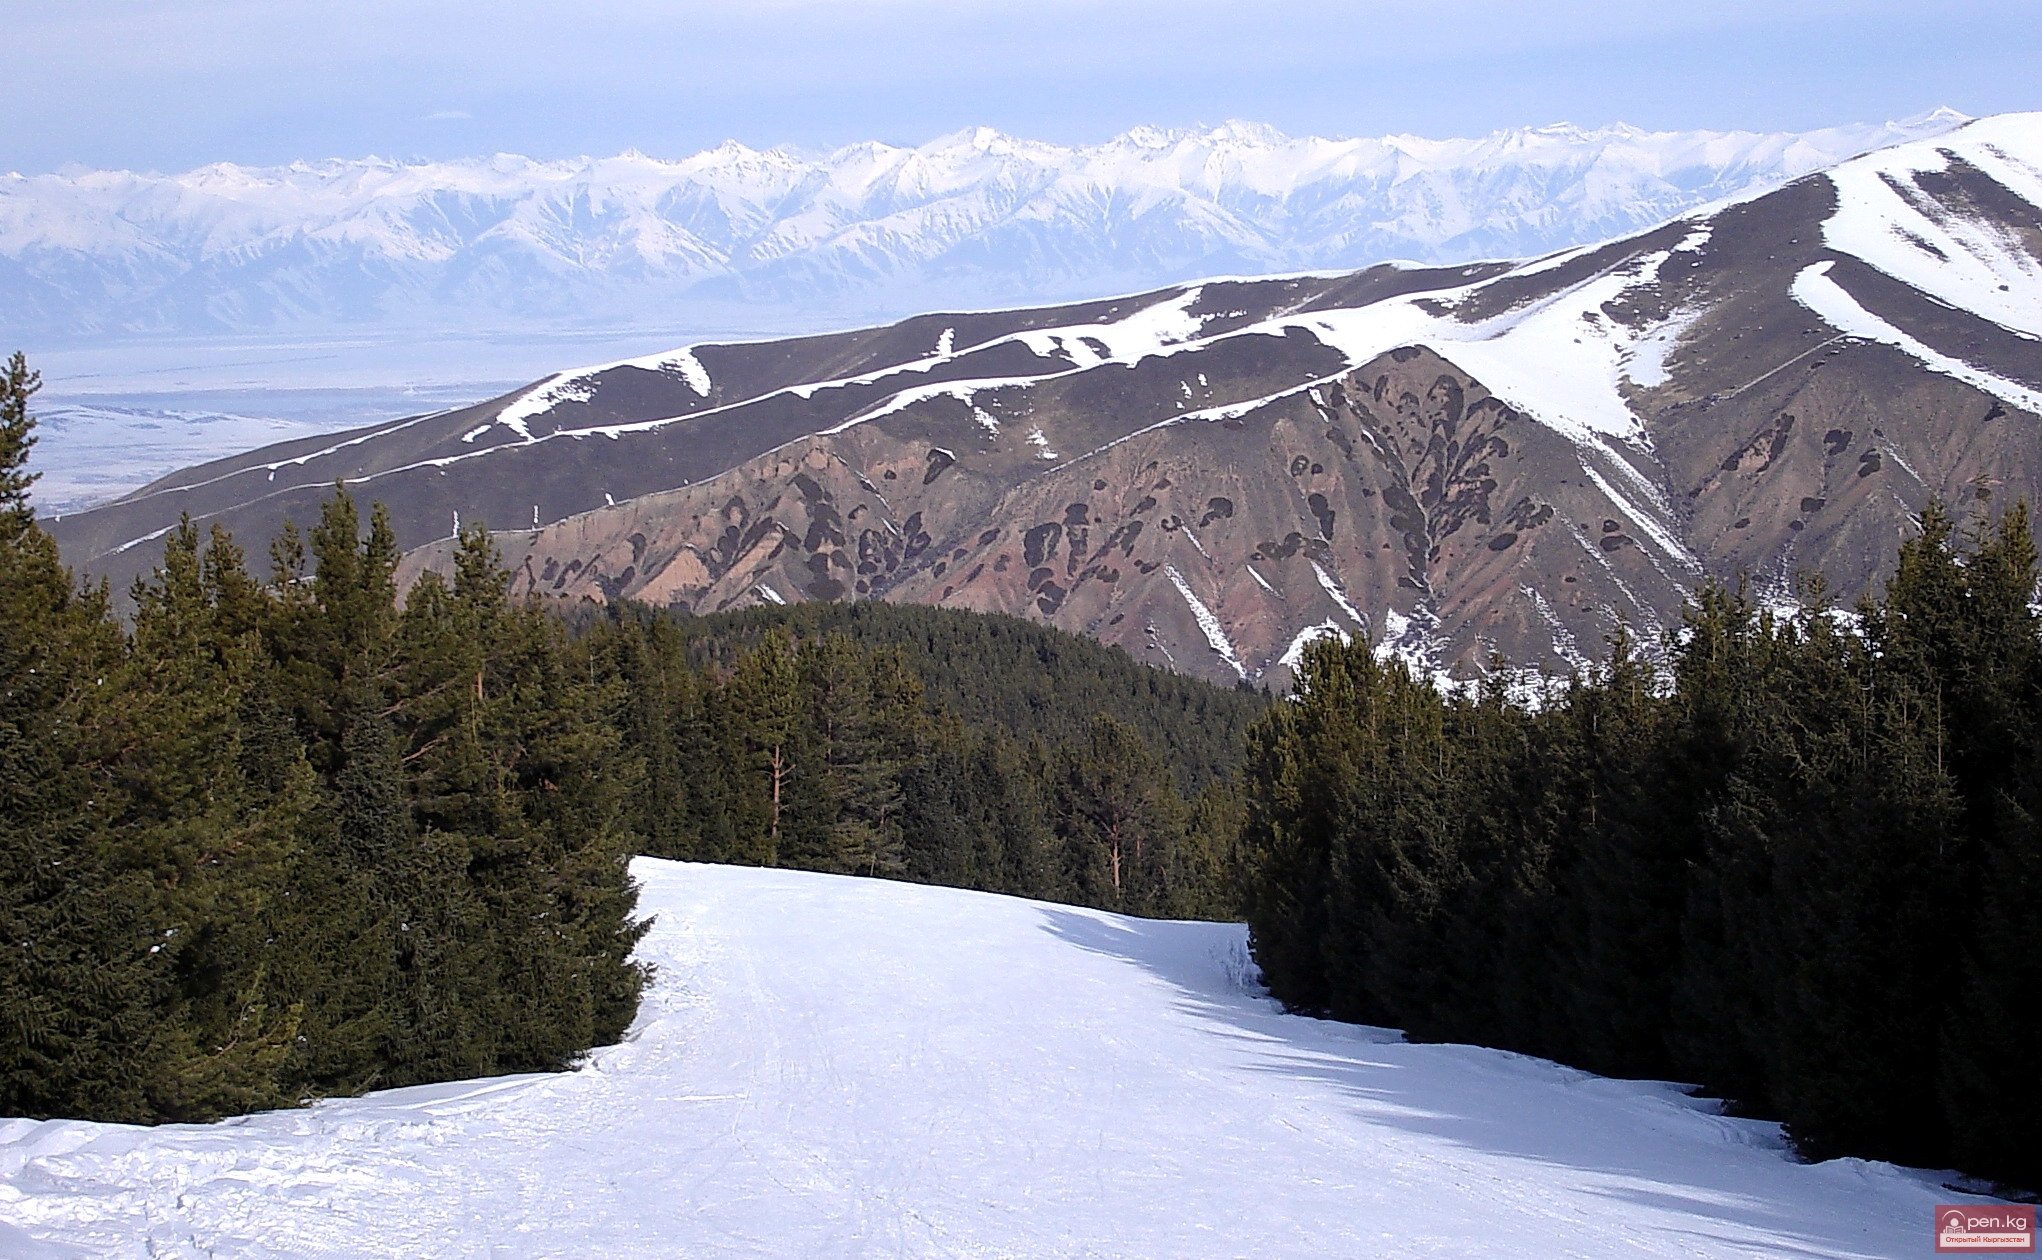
{"points": [[1885, 219], [682, 361], [1410, 640], [1215, 634], [1339, 596], [963, 391], [1559, 361], [1152, 330], [945, 342], [1697, 237], [1396, 628], [1294, 655], [1815, 290], [1644, 364], [579, 385], [567, 387]]}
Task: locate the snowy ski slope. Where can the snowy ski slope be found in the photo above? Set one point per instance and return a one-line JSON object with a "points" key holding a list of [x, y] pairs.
{"points": [[829, 1066]]}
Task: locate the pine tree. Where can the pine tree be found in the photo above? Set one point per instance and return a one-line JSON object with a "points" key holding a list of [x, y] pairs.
{"points": [[1862, 814], [1624, 871], [331, 628], [520, 784], [763, 704], [1992, 1029], [218, 847], [76, 977], [1120, 820], [947, 828], [1287, 830], [17, 437], [1205, 879], [660, 715], [1729, 681]]}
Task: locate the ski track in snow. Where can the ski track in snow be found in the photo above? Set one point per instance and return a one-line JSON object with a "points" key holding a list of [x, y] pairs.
{"points": [[831, 1066]]}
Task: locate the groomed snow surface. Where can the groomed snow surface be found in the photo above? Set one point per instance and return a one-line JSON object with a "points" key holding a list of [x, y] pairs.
{"points": [[830, 1066]]}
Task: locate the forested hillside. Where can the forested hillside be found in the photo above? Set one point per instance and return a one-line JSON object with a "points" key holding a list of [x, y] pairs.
{"points": [[946, 747], [1806, 874], [1030, 679], [285, 837]]}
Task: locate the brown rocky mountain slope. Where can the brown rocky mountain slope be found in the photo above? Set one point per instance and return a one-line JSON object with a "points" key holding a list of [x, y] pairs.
{"points": [[1495, 458]]}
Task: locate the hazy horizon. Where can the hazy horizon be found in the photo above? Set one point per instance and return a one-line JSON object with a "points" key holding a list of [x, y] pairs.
{"points": [[108, 84]]}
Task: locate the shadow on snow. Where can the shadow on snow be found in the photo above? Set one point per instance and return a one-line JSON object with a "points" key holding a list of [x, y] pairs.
{"points": [[1509, 1104]]}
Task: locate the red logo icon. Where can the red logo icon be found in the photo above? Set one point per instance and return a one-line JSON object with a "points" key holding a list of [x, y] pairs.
{"points": [[1985, 1228]]}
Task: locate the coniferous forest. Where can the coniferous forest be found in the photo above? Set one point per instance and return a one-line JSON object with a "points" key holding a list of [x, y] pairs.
{"points": [[279, 839], [978, 752], [1805, 873], [285, 831], [282, 836]]}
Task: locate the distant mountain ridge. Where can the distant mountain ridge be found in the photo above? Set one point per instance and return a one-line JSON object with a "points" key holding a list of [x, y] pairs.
{"points": [[1460, 461], [868, 231]]}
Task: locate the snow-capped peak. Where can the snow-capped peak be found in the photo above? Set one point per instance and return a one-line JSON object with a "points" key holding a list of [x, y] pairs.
{"points": [[975, 218]]}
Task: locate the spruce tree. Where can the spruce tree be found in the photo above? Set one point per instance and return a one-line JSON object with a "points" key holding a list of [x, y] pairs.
{"points": [[218, 847], [77, 980], [1992, 1029], [1287, 831], [17, 437], [1625, 871], [1121, 822], [762, 703]]}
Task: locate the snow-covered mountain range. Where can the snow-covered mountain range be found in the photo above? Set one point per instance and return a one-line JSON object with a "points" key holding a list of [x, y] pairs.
{"points": [[974, 219], [1462, 461]]}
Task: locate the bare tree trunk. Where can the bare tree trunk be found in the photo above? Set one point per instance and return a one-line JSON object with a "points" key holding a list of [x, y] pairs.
{"points": [[779, 774]]}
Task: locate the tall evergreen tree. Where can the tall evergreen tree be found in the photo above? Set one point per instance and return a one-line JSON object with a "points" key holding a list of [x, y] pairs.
{"points": [[1121, 822], [76, 976], [763, 704], [218, 847]]}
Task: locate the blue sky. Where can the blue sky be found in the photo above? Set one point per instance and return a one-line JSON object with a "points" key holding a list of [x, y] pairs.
{"points": [[168, 84]]}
